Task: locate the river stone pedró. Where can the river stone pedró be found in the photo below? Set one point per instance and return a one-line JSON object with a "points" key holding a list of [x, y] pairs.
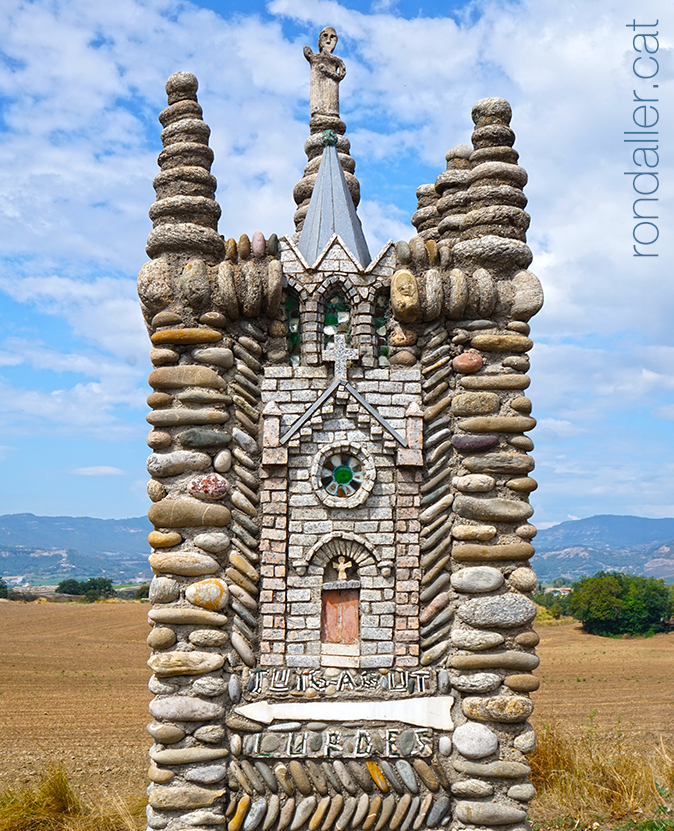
{"points": [[506, 610], [340, 492]]}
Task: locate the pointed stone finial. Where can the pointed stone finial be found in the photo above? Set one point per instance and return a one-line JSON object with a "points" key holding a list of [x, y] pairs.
{"points": [[185, 215]]}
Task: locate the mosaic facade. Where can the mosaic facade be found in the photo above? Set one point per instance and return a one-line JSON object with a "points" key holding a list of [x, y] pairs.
{"points": [[341, 618]]}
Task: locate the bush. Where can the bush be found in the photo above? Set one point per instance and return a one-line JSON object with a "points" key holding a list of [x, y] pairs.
{"points": [[4, 591], [93, 589], [142, 591], [611, 603]]}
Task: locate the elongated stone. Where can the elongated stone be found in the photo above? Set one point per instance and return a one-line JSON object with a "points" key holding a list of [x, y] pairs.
{"points": [[479, 579], [433, 653], [344, 820], [273, 810], [345, 776], [501, 343], [182, 513], [319, 813], [185, 336], [165, 733], [406, 773], [524, 484], [475, 639], [504, 611], [377, 776], [426, 774], [496, 660], [236, 822], [185, 663], [435, 588], [503, 462], [188, 755], [387, 809], [477, 682], [245, 652], [509, 709], [436, 605], [522, 683], [472, 787], [424, 808], [474, 483], [159, 775], [497, 770], [475, 403], [474, 444], [182, 798], [475, 741], [176, 377], [183, 708], [197, 438], [473, 532], [362, 807], [523, 793], [186, 564], [400, 812], [441, 506], [243, 503], [511, 381], [300, 778], [303, 811], [161, 465], [209, 594], [438, 811], [468, 552], [184, 616], [255, 815], [495, 509], [497, 424], [159, 540], [391, 776], [217, 355], [411, 814], [174, 418], [287, 813], [488, 813]]}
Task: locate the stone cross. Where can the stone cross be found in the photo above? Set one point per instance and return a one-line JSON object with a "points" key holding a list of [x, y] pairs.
{"points": [[341, 565], [341, 355]]}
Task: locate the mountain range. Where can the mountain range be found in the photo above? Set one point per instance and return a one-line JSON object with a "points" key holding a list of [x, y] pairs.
{"points": [[50, 549]]}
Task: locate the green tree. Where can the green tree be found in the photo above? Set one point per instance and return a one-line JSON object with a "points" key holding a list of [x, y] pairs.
{"points": [[142, 591], [69, 587], [4, 591], [611, 603]]}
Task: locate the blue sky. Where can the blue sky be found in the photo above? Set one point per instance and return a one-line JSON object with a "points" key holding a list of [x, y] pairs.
{"points": [[81, 84]]}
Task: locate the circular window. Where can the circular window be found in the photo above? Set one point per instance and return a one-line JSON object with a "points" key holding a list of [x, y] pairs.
{"points": [[343, 476]]}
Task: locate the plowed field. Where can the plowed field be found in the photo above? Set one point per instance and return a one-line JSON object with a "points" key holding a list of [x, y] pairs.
{"points": [[73, 687]]}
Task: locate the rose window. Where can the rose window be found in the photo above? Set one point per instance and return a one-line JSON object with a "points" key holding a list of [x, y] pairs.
{"points": [[342, 475]]}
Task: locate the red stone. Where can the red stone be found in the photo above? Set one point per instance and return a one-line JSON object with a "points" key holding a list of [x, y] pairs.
{"points": [[467, 362], [209, 486]]}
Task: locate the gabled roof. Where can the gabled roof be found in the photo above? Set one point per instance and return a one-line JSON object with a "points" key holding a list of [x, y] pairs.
{"points": [[331, 212]]}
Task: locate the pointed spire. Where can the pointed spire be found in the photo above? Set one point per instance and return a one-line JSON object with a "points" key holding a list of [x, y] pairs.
{"points": [[327, 72], [185, 215], [331, 210]]}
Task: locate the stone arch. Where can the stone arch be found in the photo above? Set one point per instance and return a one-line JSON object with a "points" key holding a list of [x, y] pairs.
{"points": [[347, 544]]}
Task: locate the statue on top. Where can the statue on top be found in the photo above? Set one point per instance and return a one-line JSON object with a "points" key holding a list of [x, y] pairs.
{"points": [[327, 70]]}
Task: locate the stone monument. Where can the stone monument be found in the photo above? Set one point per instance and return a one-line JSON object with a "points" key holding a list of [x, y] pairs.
{"points": [[341, 619]]}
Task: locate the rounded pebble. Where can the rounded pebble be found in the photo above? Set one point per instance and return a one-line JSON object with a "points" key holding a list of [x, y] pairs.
{"points": [[210, 486], [467, 362], [477, 580], [209, 594], [161, 637], [475, 741], [523, 579], [223, 461]]}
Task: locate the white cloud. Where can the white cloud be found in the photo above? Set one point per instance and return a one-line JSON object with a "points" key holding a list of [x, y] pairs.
{"points": [[98, 470]]}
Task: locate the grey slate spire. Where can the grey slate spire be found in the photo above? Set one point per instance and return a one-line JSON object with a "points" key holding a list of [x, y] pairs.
{"points": [[331, 210]]}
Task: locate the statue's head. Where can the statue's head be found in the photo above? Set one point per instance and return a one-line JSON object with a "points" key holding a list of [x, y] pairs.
{"points": [[327, 40]]}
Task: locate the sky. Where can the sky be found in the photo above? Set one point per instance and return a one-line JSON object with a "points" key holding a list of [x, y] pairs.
{"points": [[81, 84]]}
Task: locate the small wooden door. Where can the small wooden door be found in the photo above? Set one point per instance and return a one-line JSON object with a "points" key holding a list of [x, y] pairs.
{"points": [[339, 620]]}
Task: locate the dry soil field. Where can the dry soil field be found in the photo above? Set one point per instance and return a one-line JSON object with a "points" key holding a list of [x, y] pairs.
{"points": [[73, 687]]}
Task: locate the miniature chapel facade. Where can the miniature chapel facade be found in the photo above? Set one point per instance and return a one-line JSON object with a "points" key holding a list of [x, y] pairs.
{"points": [[341, 613]]}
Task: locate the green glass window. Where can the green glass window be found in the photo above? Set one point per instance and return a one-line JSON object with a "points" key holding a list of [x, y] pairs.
{"points": [[337, 320], [292, 307]]}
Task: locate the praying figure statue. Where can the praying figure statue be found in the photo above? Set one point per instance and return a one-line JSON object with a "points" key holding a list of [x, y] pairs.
{"points": [[327, 70]]}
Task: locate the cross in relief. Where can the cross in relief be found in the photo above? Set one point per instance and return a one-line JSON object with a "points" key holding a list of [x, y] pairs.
{"points": [[341, 355]]}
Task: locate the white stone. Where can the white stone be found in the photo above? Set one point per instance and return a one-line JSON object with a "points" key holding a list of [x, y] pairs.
{"points": [[180, 461], [223, 461], [475, 741], [474, 483], [475, 639], [526, 741], [478, 579], [214, 543]]}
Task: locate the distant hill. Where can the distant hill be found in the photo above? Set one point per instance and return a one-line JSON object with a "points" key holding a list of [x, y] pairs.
{"points": [[582, 547], [49, 549], [44, 549]]}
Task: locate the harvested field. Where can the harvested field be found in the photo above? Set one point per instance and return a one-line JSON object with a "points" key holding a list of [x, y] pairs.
{"points": [[73, 688]]}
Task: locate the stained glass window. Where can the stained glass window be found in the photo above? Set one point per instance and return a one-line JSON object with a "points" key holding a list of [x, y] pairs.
{"points": [[337, 320], [292, 307], [342, 474]]}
